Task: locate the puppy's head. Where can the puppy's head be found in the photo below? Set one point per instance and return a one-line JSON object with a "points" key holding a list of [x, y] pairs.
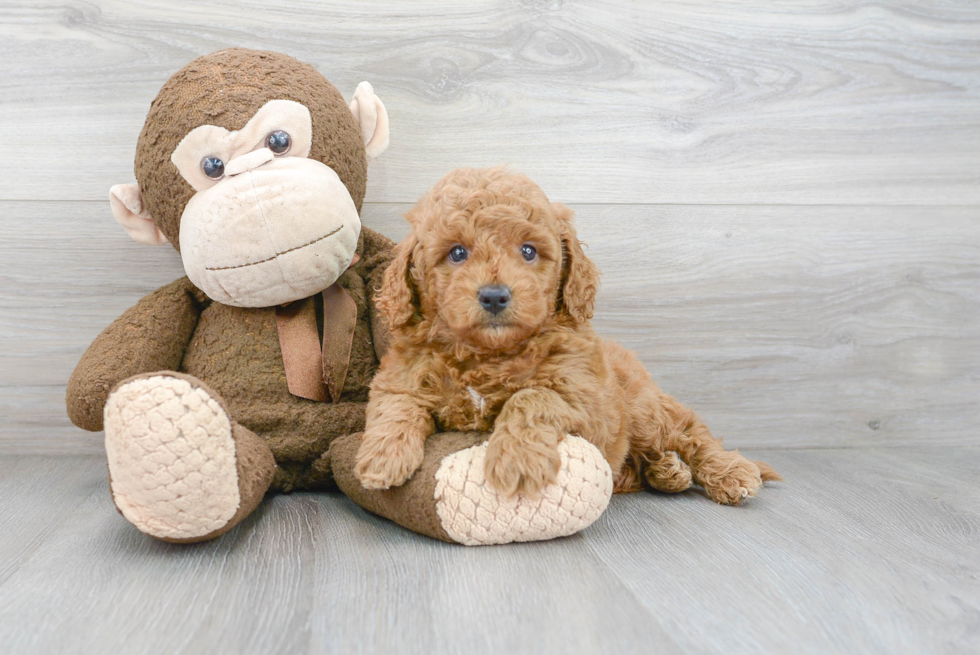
{"points": [[489, 262]]}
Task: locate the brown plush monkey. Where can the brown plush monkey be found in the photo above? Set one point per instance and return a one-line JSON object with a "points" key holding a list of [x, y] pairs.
{"points": [[239, 377]]}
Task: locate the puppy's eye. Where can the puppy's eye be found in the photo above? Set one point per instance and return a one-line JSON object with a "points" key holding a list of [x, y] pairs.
{"points": [[529, 252], [458, 254]]}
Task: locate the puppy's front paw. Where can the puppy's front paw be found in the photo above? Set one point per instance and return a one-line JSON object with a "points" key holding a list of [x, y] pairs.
{"points": [[514, 467], [728, 478], [384, 462]]}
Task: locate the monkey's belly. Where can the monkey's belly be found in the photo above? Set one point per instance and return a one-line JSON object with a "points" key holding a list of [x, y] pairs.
{"points": [[235, 351]]}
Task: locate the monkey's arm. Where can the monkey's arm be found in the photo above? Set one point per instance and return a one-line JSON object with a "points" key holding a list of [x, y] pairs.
{"points": [[379, 250], [150, 336]]}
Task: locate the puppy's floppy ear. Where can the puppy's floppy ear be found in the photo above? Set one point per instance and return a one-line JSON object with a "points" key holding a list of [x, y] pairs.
{"points": [[397, 298], [579, 275]]}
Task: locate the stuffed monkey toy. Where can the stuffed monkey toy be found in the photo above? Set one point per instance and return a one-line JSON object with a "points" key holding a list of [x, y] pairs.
{"points": [[237, 379]]}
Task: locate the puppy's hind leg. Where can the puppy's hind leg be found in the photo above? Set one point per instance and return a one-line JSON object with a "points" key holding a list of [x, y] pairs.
{"points": [[726, 476], [662, 427], [659, 426], [652, 468], [668, 473]]}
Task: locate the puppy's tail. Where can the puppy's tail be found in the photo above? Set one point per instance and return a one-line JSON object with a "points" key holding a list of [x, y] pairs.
{"points": [[768, 473]]}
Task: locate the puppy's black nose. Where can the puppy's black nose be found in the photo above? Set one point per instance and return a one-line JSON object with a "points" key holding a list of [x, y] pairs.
{"points": [[494, 298]]}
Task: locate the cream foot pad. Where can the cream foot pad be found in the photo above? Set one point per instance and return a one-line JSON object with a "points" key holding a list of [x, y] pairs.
{"points": [[171, 458], [472, 513]]}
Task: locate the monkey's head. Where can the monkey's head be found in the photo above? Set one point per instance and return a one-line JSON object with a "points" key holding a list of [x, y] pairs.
{"points": [[254, 167]]}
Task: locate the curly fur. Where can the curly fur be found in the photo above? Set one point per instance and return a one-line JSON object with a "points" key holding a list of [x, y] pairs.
{"points": [[531, 374]]}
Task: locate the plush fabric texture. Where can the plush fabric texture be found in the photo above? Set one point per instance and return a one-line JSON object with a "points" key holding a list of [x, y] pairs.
{"points": [[230, 253], [235, 352], [180, 470], [246, 80], [448, 498], [237, 149], [127, 209], [172, 458], [150, 336], [371, 115], [413, 504], [475, 514]]}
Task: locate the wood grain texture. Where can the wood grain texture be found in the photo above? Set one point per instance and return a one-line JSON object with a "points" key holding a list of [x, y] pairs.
{"points": [[782, 326], [871, 551], [816, 102], [37, 495]]}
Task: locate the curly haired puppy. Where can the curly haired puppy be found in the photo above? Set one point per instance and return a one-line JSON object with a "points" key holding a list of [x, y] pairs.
{"points": [[489, 300]]}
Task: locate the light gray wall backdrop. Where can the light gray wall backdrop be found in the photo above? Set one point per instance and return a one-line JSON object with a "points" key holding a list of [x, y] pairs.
{"points": [[783, 196]]}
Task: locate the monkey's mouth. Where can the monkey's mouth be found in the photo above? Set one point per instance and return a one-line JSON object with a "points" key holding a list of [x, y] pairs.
{"points": [[278, 254]]}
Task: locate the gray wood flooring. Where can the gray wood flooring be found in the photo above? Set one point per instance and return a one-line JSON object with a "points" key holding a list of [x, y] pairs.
{"points": [[859, 551]]}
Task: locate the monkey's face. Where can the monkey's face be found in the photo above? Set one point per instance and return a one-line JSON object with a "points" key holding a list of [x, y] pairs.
{"points": [[254, 167], [267, 225]]}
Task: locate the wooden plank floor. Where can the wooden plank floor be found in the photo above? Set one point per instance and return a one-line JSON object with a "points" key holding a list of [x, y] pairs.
{"points": [[860, 551]]}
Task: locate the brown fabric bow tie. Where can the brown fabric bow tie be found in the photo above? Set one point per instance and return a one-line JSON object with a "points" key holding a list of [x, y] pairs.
{"points": [[315, 372]]}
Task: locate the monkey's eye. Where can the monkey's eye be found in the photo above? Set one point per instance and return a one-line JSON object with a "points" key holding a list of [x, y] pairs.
{"points": [[278, 142], [529, 252], [213, 167], [458, 254]]}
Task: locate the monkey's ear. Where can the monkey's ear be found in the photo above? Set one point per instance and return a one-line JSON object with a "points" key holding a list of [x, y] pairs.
{"points": [[127, 208], [372, 118]]}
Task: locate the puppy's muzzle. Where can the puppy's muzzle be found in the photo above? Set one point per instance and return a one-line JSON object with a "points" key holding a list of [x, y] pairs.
{"points": [[494, 298]]}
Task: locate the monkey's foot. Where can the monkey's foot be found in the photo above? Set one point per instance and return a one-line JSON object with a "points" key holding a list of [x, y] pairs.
{"points": [[449, 498], [180, 469]]}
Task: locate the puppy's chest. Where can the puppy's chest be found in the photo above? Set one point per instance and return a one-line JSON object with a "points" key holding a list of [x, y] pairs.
{"points": [[472, 400]]}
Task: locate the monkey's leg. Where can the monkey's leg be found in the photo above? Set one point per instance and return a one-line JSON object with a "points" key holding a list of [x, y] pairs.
{"points": [[448, 497], [180, 469]]}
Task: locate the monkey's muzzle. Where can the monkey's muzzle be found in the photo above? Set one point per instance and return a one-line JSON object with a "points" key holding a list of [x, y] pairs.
{"points": [[270, 232]]}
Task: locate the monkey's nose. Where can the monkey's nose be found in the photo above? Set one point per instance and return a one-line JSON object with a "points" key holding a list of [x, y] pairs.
{"points": [[248, 161], [494, 298]]}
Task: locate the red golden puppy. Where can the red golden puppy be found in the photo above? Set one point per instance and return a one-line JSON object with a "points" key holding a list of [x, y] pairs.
{"points": [[489, 300]]}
